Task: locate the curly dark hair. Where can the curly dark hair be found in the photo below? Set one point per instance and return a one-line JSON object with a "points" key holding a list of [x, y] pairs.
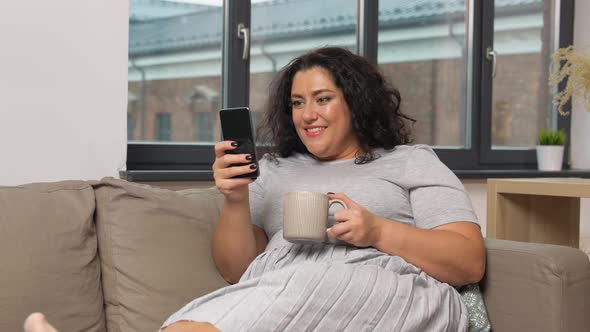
{"points": [[374, 104]]}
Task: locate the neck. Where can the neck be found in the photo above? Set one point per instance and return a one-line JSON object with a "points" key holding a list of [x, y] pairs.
{"points": [[353, 153]]}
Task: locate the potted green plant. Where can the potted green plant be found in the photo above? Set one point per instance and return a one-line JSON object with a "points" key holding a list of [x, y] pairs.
{"points": [[550, 149]]}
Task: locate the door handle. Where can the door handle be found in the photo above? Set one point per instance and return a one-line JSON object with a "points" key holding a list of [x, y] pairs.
{"points": [[492, 56], [244, 33]]}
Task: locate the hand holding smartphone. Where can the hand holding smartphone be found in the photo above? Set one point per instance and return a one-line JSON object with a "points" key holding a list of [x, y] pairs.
{"points": [[236, 125]]}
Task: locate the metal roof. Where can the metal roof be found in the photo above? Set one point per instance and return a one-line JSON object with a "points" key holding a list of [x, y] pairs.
{"points": [[146, 10], [160, 26]]}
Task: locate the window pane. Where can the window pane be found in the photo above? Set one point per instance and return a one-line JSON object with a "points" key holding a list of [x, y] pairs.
{"points": [[205, 126], [282, 30], [422, 52], [163, 129], [130, 126], [521, 101], [174, 68]]}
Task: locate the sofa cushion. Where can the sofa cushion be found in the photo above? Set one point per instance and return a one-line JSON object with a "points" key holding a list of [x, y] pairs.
{"points": [[48, 255], [155, 251]]}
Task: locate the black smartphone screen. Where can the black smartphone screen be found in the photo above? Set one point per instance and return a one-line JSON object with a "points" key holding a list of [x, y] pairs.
{"points": [[236, 125]]}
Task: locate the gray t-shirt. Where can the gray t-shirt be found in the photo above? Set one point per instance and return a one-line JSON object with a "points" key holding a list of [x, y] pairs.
{"points": [[408, 184]]}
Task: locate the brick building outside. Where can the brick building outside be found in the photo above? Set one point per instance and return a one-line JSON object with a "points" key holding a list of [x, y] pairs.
{"points": [[175, 92]]}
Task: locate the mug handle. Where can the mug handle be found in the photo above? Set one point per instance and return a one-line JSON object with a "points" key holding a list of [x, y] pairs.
{"points": [[336, 201]]}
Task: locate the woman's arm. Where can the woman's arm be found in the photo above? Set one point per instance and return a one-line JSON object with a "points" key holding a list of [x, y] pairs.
{"points": [[453, 253], [236, 241]]}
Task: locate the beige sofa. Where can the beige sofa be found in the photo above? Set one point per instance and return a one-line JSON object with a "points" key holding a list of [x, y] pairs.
{"points": [[115, 256]]}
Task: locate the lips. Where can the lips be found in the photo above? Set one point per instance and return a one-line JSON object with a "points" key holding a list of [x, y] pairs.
{"points": [[314, 131]]}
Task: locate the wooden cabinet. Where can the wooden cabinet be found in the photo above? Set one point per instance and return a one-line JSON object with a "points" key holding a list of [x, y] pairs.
{"points": [[543, 210]]}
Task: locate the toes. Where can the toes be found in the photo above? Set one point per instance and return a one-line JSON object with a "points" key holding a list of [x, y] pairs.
{"points": [[36, 322]]}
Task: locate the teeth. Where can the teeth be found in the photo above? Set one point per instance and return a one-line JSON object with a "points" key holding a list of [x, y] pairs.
{"points": [[315, 130]]}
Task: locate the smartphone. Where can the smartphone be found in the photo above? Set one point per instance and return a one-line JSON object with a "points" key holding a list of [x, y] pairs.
{"points": [[236, 125]]}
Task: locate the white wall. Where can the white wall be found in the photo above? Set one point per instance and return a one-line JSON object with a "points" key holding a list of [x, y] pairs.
{"points": [[63, 89], [580, 149], [580, 118], [477, 190]]}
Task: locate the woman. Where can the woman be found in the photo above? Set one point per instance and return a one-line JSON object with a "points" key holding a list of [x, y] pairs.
{"points": [[336, 126]]}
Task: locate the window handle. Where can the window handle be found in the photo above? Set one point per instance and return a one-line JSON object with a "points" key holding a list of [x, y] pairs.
{"points": [[244, 33], [492, 56]]}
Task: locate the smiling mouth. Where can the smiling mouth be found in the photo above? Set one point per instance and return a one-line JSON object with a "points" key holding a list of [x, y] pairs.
{"points": [[314, 131]]}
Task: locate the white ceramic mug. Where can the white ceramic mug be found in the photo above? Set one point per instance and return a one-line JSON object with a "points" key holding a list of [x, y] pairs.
{"points": [[305, 216]]}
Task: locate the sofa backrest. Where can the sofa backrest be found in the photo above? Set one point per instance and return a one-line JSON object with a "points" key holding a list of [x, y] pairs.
{"points": [[105, 255], [155, 251], [48, 256]]}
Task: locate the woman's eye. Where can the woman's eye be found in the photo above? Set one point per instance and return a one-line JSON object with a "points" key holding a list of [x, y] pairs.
{"points": [[323, 100], [296, 103]]}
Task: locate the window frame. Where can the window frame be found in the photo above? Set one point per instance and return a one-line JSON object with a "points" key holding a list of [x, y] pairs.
{"points": [[192, 162], [525, 158]]}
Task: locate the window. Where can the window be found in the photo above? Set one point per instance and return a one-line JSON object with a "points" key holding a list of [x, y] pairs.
{"points": [[518, 38], [163, 127], [130, 126], [301, 26], [433, 85], [520, 94], [521, 103], [255, 117], [174, 65], [204, 127], [440, 54]]}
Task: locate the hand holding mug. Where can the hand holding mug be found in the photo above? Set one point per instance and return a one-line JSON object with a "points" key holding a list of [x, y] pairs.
{"points": [[234, 190], [355, 225]]}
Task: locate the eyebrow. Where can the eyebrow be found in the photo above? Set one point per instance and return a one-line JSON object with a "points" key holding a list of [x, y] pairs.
{"points": [[315, 93]]}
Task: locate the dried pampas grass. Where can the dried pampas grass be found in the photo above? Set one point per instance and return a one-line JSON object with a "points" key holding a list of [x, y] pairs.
{"points": [[576, 68]]}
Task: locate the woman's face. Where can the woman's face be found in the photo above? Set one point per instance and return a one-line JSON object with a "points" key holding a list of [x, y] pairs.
{"points": [[321, 116]]}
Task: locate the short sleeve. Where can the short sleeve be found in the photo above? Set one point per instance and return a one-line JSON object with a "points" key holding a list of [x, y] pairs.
{"points": [[437, 196]]}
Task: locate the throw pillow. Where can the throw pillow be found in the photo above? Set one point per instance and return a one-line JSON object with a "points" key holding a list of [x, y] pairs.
{"points": [[155, 251], [478, 317]]}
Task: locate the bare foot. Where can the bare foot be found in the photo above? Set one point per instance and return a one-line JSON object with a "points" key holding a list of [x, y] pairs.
{"points": [[36, 322]]}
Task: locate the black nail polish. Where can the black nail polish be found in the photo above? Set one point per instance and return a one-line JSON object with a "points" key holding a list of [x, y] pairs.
{"points": [[234, 144], [330, 193], [253, 166], [249, 157]]}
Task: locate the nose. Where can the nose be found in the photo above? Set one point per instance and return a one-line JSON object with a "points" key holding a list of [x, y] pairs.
{"points": [[309, 113]]}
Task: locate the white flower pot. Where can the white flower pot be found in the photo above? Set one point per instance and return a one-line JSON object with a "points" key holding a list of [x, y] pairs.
{"points": [[550, 157]]}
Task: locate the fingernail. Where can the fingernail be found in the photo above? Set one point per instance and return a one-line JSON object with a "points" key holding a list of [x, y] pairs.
{"points": [[253, 166], [249, 157], [234, 144], [330, 193]]}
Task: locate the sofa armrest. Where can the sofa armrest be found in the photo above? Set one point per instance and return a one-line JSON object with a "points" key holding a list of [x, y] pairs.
{"points": [[536, 287]]}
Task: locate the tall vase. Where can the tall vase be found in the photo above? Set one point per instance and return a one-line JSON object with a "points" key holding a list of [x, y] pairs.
{"points": [[550, 157]]}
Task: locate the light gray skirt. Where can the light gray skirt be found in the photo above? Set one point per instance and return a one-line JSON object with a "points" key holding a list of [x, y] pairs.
{"points": [[328, 287]]}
